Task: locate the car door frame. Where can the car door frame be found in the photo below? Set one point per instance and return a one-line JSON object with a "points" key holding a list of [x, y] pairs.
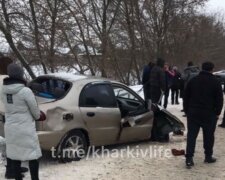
{"points": [[101, 132], [141, 130]]}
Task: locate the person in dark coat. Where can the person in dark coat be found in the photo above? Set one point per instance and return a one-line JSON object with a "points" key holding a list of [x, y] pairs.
{"points": [[157, 81], [146, 79], [169, 75], [157, 89], [203, 103], [189, 72], [175, 86]]}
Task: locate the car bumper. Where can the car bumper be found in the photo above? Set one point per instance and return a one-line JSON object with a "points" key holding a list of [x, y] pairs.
{"points": [[49, 139]]}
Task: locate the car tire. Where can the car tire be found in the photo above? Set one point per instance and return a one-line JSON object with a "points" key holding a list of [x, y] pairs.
{"points": [[73, 147]]}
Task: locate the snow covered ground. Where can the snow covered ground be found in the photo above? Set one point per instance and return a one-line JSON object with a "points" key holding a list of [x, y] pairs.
{"points": [[139, 167]]}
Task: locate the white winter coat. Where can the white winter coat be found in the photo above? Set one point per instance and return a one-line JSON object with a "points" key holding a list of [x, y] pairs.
{"points": [[21, 111]]}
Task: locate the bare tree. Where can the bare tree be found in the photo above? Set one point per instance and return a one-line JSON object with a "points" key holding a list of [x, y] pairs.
{"points": [[5, 27]]}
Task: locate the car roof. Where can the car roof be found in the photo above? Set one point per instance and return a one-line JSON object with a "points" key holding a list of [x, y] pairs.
{"points": [[221, 71], [65, 76], [74, 77]]}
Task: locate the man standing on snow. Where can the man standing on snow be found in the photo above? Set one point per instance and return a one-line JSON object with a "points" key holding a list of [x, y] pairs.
{"points": [[146, 79], [157, 81], [157, 89], [189, 72], [203, 103], [169, 75]]}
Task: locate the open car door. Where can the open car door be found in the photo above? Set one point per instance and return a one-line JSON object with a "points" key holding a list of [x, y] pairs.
{"points": [[137, 119]]}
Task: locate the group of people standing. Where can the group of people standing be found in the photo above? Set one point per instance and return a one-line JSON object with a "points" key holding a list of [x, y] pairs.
{"points": [[202, 100], [159, 79]]}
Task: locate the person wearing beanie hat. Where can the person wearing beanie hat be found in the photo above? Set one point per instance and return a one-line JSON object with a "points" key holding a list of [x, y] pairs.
{"points": [[157, 89], [21, 111], [15, 71], [9, 174], [157, 81]]}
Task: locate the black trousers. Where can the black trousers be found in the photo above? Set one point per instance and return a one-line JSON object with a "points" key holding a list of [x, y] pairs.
{"points": [[166, 95], [33, 166], [146, 88], [208, 126], [155, 94], [174, 95]]}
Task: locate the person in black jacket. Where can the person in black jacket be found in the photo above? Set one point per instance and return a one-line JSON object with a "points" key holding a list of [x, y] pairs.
{"points": [[146, 79], [203, 103], [157, 88], [157, 81], [175, 86], [169, 75]]}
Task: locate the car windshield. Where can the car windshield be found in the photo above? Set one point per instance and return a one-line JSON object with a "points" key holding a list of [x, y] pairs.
{"points": [[49, 88]]}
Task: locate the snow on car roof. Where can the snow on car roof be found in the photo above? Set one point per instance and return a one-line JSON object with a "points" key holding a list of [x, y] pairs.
{"points": [[67, 76], [74, 77], [217, 72]]}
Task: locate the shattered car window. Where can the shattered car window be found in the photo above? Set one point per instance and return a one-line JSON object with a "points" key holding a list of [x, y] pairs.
{"points": [[50, 88]]}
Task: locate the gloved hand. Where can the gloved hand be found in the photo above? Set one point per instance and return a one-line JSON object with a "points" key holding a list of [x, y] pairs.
{"points": [[42, 116]]}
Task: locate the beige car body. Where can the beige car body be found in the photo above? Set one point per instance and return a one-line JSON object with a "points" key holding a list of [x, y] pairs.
{"points": [[104, 128]]}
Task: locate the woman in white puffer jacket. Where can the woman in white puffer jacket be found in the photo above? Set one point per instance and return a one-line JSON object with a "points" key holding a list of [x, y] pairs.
{"points": [[21, 111]]}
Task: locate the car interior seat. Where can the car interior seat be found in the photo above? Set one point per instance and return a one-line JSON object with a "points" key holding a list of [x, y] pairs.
{"points": [[58, 92], [36, 87]]}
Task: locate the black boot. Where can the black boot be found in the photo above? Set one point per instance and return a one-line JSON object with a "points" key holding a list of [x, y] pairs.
{"points": [[189, 162], [210, 159], [24, 169], [222, 125], [9, 174], [172, 102]]}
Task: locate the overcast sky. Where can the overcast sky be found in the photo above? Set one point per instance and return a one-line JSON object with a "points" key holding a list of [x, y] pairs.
{"points": [[215, 5]]}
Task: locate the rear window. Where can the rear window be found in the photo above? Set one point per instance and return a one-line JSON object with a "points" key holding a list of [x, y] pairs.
{"points": [[50, 88]]}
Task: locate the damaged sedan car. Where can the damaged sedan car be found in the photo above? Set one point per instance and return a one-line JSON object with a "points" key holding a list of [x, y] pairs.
{"points": [[82, 111]]}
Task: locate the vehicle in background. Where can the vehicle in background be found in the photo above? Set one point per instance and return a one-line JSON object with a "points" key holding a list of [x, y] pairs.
{"points": [[220, 75]]}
